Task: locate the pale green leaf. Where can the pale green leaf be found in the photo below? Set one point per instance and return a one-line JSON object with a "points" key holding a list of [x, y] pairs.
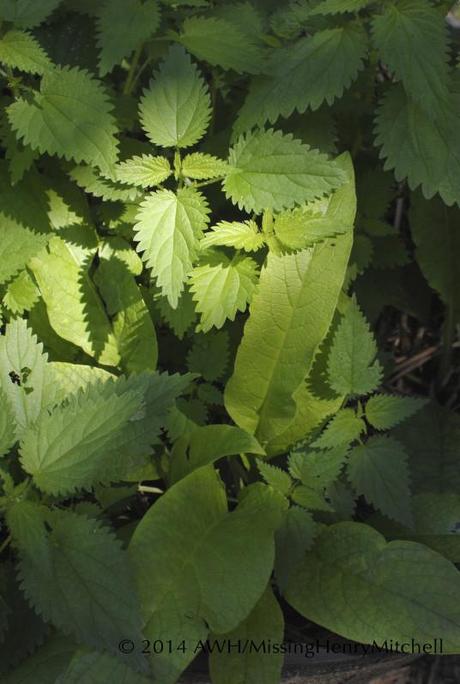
{"points": [[318, 469], [70, 117], [168, 230], [378, 471], [17, 246], [20, 50], [201, 166], [343, 428], [403, 589], [240, 235], [143, 171], [303, 226], [221, 288], [7, 425], [270, 170], [384, 411], [22, 294], [27, 13], [175, 109]]}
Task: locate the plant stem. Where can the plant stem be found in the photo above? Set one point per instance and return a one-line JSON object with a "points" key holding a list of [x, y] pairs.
{"points": [[130, 81], [209, 182], [6, 543]]}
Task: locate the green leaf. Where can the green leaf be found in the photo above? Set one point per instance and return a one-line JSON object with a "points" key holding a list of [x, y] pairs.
{"points": [[310, 498], [314, 70], [351, 365], [343, 428], [176, 108], [411, 37], [384, 411], [339, 6], [275, 477], [100, 668], [85, 587], [89, 180], [180, 319], [168, 230], [403, 589], [221, 288], [378, 471], [45, 665], [69, 378], [22, 294], [265, 624], [304, 226], [20, 50], [295, 301], [17, 246], [144, 171], [27, 13], [240, 235], [318, 469], [201, 166], [7, 425], [270, 170], [74, 308], [70, 117], [209, 355], [124, 25], [293, 538], [222, 43]]}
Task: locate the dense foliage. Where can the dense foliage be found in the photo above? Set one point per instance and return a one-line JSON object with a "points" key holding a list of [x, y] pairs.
{"points": [[229, 294]]}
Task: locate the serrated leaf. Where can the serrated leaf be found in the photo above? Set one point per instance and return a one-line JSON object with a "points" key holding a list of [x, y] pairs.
{"points": [[293, 538], [310, 498], [400, 588], [176, 108], [17, 246], [99, 668], [124, 25], [339, 6], [240, 235], [201, 166], [45, 665], [20, 50], [314, 70], [93, 183], [143, 171], [221, 288], [378, 471], [27, 13], [318, 470], [222, 43], [180, 319], [210, 394], [7, 428], [304, 226], [411, 37], [70, 117], [275, 477], [384, 411], [265, 624], [209, 355], [343, 428], [270, 170], [22, 294], [351, 365], [168, 230]]}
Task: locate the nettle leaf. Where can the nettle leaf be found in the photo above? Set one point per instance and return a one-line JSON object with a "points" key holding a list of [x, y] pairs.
{"points": [[143, 171], [181, 319], [200, 166], [411, 37], [384, 411], [403, 589], [168, 230], [339, 6], [303, 226], [294, 304], [70, 117], [314, 70], [351, 365], [45, 664], [22, 294], [378, 471], [265, 624], [124, 25], [293, 538], [7, 426], [221, 288], [318, 469], [275, 477], [209, 355], [20, 50], [17, 245], [270, 170], [27, 13], [238, 234], [82, 582], [222, 43], [344, 428], [176, 108], [98, 186], [99, 668]]}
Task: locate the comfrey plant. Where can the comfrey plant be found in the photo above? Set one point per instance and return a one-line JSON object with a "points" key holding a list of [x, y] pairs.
{"points": [[198, 426]]}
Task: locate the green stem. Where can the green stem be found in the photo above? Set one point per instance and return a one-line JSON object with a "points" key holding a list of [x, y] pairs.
{"points": [[130, 81], [6, 543], [209, 182]]}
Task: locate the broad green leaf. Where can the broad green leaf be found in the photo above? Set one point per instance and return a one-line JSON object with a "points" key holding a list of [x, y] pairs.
{"points": [[378, 471], [27, 13], [168, 230], [314, 70], [339, 6], [86, 586], [20, 50], [17, 246], [270, 170], [351, 365], [69, 378], [123, 26], [240, 235], [411, 37], [222, 43], [100, 668], [402, 590], [265, 624], [70, 117], [209, 355], [175, 109], [222, 287], [343, 428], [143, 171], [275, 477], [45, 665], [384, 411], [22, 294], [93, 183], [295, 301], [293, 538], [7, 425], [431, 439], [132, 326], [201, 166], [74, 308]]}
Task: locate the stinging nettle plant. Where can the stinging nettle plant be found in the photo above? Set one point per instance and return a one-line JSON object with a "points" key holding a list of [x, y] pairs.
{"points": [[204, 253]]}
